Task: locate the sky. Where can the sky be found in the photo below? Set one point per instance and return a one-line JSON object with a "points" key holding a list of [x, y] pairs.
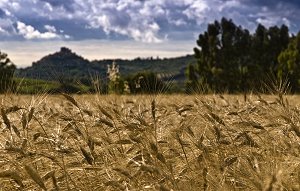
{"points": [[106, 29]]}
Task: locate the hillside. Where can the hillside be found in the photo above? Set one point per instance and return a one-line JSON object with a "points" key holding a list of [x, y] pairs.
{"points": [[62, 64], [66, 64]]}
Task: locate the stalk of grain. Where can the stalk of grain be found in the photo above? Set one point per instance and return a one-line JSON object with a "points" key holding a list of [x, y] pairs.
{"points": [[105, 112], [30, 114], [16, 130], [12, 175], [24, 121], [91, 143], [205, 182], [154, 148], [177, 137], [10, 147], [35, 176], [115, 184], [51, 174], [270, 186], [5, 119], [162, 187], [48, 175], [161, 158], [12, 109], [124, 172], [106, 122], [153, 114], [54, 181], [74, 102], [24, 144], [88, 157], [71, 99], [149, 168]]}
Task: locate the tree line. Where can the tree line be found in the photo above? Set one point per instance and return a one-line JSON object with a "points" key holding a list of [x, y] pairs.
{"points": [[231, 59]]}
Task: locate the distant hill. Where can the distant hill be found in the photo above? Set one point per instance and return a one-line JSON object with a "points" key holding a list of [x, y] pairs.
{"points": [[68, 65]]}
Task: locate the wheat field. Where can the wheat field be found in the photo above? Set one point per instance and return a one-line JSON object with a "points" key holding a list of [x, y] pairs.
{"points": [[162, 142]]}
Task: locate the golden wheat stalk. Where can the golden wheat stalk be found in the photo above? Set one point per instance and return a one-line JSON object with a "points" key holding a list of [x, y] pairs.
{"points": [[5, 119], [13, 175], [35, 176]]}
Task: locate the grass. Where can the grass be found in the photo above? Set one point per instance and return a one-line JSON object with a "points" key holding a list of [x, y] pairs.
{"points": [[36, 86], [33, 86], [166, 142]]}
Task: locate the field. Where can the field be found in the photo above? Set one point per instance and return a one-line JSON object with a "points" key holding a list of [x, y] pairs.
{"points": [[164, 142]]}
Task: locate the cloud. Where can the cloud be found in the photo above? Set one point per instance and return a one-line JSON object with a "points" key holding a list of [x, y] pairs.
{"points": [[126, 19], [50, 28], [65, 4], [7, 28], [2, 13], [149, 21], [29, 33], [197, 10], [2, 31]]}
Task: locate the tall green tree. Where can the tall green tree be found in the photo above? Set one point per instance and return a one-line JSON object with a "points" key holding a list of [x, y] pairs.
{"points": [[267, 44], [208, 66], [234, 55], [289, 63], [7, 69], [192, 84], [222, 56], [231, 59]]}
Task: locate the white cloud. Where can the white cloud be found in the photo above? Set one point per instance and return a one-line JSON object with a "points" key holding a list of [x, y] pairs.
{"points": [[286, 21], [2, 30], [28, 32], [7, 25], [128, 18], [16, 6], [3, 2], [229, 4], [67, 36], [140, 20], [197, 10], [50, 28], [178, 22], [271, 20], [48, 7]]}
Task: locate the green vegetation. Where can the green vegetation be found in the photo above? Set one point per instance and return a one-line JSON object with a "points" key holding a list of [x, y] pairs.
{"points": [[34, 86], [231, 59], [146, 82], [73, 68], [69, 70], [7, 69], [289, 61], [63, 65]]}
